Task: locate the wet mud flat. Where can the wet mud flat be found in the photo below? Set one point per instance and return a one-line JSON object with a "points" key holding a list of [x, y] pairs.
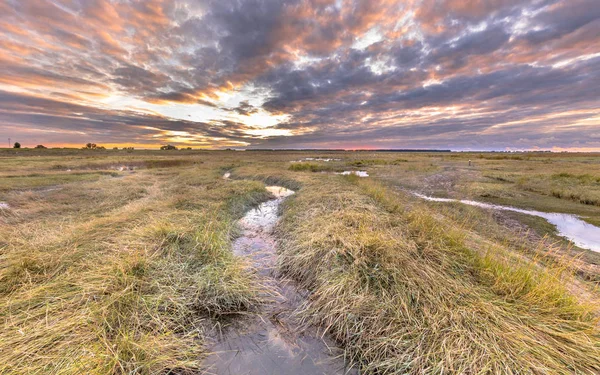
{"points": [[273, 341]]}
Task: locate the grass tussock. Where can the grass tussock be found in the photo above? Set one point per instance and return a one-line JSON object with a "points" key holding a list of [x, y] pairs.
{"points": [[583, 189], [407, 292], [579, 197], [309, 167], [129, 288], [371, 162]]}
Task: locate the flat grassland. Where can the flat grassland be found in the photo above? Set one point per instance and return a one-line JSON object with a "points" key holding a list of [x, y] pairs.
{"points": [[119, 262]]}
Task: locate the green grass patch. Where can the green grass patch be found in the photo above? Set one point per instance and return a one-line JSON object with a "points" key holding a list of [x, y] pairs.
{"points": [[309, 167]]}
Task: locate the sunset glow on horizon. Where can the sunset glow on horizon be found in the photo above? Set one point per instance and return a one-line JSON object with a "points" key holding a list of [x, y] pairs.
{"points": [[338, 74]]}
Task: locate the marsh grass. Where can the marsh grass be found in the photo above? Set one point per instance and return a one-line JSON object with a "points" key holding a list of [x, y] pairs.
{"points": [[122, 282], [372, 162], [38, 180], [583, 188], [126, 274], [407, 291], [310, 167]]}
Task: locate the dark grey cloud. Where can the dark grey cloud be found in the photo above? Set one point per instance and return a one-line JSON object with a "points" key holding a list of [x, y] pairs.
{"points": [[134, 79], [456, 53], [435, 70], [244, 108], [562, 19]]}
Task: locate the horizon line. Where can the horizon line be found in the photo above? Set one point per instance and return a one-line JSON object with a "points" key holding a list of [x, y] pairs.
{"points": [[436, 150]]}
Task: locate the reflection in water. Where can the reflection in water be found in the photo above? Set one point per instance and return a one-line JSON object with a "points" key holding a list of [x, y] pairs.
{"points": [[582, 234], [358, 173], [315, 159], [273, 342]]}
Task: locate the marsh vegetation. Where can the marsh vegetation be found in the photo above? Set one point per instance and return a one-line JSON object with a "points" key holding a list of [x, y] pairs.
{"points": [[109, 270]]}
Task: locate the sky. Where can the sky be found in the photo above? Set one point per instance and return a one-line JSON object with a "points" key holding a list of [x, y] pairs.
{"points": [[444, 74]]}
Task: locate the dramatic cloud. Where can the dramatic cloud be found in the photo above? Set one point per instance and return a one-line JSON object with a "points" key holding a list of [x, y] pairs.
{"points": [[460, 74]]}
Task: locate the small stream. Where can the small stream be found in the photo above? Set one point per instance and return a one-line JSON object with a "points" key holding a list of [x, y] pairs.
{"points": [[571, 227], [274, 342]]}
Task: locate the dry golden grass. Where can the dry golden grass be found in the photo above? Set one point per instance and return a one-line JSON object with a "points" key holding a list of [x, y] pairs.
{"points": [[404, 292], [105, 271], [121, 275]]}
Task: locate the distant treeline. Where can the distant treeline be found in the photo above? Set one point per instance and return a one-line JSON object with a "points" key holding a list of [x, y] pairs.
{"points": [[411, 150], [339, 149]]}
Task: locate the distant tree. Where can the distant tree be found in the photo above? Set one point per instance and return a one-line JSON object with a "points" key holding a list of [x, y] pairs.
{"points": [[168, 147], [90, 146], [17, 145], [100, 148], [40, 146], [115, 148]]}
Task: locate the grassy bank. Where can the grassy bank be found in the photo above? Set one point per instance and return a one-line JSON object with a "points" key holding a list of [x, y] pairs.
{"points": [[121, 274], [408, 291]]}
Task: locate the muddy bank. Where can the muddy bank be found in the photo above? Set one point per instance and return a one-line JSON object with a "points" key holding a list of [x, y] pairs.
{"points": [[274, 341]]}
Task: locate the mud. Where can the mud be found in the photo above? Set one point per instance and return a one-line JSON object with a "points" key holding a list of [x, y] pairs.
{"points": [[274, 341]]}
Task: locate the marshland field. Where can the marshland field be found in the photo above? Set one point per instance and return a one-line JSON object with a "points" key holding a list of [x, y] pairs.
{"points": [[121, 262]]}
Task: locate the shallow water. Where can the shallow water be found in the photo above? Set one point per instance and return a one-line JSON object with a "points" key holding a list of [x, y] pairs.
{"points": [[315, 159], [226, 175], [274, 342], [124, 168], [582, 234], [358, 173]]}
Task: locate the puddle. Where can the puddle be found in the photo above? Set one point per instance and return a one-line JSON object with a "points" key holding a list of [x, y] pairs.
{"points": [[274, 342], [226, 175], [315, 159], [124, 168], [571, 227], [4, 206], [279, 192], [358, 173]]}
